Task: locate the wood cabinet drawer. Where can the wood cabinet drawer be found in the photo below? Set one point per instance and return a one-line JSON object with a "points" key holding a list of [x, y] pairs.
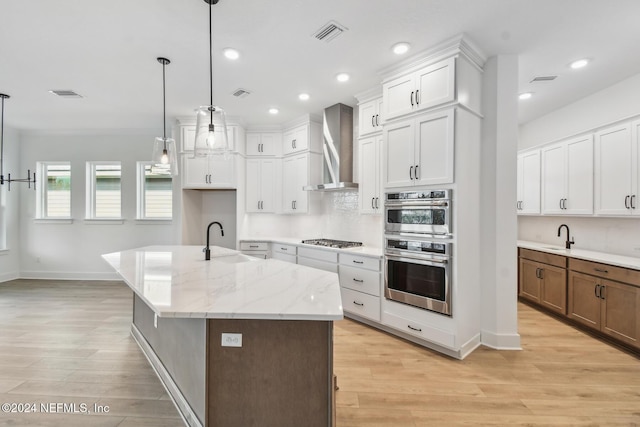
{"points": [[361, 280], [319, 254], [543, 257], [360, 261], [284, 249], [361, 304], [607, 271], [254, 246]]}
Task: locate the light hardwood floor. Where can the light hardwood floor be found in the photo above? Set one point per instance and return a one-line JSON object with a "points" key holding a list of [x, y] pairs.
{"points": [[69, 342]]}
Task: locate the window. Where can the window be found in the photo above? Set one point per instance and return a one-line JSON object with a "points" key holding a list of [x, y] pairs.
{"points": [[155, 193], [54, 192], [104, 190]]}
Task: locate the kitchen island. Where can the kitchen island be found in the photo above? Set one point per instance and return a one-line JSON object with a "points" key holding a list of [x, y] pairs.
{"points": [[237, 341]]}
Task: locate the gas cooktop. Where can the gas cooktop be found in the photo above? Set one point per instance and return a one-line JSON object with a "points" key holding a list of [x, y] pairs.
{"points": [[332, 243]]}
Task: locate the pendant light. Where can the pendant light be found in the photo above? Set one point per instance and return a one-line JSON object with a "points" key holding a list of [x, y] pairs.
{"points": [[211, 124], [165, 161], [8, 179]]}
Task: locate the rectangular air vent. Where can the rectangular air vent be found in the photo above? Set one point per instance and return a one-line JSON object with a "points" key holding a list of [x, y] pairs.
{"points": [[329, 31], [241, 93], [543, 79], [66, 93]]}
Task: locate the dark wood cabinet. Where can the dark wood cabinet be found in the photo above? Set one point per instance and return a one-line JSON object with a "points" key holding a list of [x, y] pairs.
{"points": [[543, 279]]}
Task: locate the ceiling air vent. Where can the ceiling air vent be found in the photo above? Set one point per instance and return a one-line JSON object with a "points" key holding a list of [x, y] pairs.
{"points": [[66, 93], [329, 31], [241, 93], [543, 79]]}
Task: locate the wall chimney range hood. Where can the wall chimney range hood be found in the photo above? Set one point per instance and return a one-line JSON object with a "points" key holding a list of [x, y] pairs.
{"points": [[337, 147]]}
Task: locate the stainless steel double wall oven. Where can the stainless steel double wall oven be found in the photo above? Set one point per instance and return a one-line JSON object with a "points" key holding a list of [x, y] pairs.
{"points": [[417, 250]]}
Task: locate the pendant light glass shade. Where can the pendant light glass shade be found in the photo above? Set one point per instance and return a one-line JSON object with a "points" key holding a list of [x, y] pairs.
{"points": [[164, 157], [211, 132]]}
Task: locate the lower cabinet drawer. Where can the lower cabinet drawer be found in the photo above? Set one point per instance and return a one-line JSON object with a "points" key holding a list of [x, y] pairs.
{"points": [[419, 329], [315, 263], [284, 249], [254, 246], [284, 257], [361, 280], [363, 305]]}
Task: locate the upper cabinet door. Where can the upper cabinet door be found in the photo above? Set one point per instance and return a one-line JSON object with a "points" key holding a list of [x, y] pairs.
{"points": [[434, 148], [579, 180], [399, 96], [435, 84], [367, 118], [554, 164], [614, 166], [529, 182], [399, 154]]}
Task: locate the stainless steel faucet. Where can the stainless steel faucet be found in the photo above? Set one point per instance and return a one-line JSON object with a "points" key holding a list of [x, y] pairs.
{"points": [[568, 243], [207, 252]]}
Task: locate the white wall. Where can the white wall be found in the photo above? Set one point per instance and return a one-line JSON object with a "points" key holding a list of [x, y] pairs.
{"points": [[72, 251], [612, 235], [10, 206]]}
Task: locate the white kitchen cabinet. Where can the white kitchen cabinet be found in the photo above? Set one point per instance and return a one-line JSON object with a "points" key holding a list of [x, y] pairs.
{"points": [[321, 259], [261, 185], [188, 136], [211, 172], [297, 172], [370, 170], [302, 138], [262, 143], [528, 182], [427, 87], [370, 117], [284, 252], [567, 177], [255, 249], [420, 151], [415, 322], [360, 285], [616, 170]]}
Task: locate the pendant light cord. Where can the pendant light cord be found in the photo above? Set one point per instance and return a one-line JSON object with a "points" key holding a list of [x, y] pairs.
{"points": [[210, 62], [164, 109], [2, 141]]}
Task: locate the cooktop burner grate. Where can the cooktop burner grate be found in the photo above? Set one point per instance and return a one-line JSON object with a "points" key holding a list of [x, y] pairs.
{"points": [[332, 243]]}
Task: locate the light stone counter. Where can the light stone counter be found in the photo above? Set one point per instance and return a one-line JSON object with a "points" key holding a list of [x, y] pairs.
{"points": [[359, 250], [176, 281], [604, 258]]}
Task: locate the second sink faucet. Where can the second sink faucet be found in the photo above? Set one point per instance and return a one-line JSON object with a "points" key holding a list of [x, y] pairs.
{"points": [[568, 243], [207, 252]]}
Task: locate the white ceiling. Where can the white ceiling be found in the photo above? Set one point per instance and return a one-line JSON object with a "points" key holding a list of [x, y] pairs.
{"points": [[106, 51]]}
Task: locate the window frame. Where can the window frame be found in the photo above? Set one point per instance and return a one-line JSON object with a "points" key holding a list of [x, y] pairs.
{"points": [[91, 181], [141, 193], [42, 192]]}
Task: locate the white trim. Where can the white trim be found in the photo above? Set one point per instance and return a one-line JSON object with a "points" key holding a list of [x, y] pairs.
{"points": [[468, 347], [53, 220], [151, 221], [4, 251], [500, 341], [109, 221], [69, 275], [6, 277], [187, 414]]}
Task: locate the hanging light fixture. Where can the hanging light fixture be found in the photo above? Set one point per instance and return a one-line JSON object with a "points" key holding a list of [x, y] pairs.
{"points": [[211, 124], [165, 161], [8, 179]]}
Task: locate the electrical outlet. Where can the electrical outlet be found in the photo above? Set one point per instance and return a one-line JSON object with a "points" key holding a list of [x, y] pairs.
{"points": [[155, 320], [231, 340]]}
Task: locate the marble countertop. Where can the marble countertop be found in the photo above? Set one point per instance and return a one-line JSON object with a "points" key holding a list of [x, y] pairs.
{"points": [[176, 281], [359, 250], [605, 258]]}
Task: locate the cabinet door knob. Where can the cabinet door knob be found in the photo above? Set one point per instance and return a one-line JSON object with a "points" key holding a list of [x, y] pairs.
{"points": [[411, 173], [417, 97], [377, 121], [373, 123], [595, 291], [372, 203], [377, 202], [416, 173], [412, 99], [633, 201], [602, 287], [626, 202]]}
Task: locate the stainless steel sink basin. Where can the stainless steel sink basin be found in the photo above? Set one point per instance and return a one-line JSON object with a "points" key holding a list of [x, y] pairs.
{"points": [[554, 248], [234, 259]]}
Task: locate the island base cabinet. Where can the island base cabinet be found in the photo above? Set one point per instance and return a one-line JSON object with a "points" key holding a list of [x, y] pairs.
{"points": [[280, 376]]}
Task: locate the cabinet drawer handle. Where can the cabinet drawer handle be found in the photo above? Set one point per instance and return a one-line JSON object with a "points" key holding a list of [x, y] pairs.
{"points": [[373, 123], [626, 202], [595, 291], [414, 329], [358, 262], [254, 246], [412, 99], [411, 173], [373, 206], [283, 249], [417, 97], [541, 273], [600, 270], [293, 143], [358, 280], [358, 303], [377, 202], [633, 201], [377, 121], [600, 293], [416, 173]]}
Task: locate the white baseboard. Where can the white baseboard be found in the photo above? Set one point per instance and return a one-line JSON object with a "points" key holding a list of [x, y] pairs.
{"points": [[68, 275], [5, 277], [468, 347], [501, 341]]}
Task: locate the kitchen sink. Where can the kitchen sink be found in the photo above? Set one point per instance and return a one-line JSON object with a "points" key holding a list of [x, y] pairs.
{"points": [[234, 259], [554, 248]]}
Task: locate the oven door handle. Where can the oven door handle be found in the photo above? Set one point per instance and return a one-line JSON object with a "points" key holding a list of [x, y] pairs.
{"points": [[418, 203], [424, 261]]}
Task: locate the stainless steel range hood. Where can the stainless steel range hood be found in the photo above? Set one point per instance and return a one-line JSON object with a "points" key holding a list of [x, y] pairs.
{"points": [[337, 133]]}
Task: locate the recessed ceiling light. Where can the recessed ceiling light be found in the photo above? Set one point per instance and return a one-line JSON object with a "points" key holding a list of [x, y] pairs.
{"points": [[525, 95], [303, 97], [273, 111], [231, 53], [400, 48], [579, 63], [342, 77]]}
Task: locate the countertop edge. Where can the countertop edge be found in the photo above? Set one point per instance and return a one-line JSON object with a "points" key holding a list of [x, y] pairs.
{"points": [[364, 251]]}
